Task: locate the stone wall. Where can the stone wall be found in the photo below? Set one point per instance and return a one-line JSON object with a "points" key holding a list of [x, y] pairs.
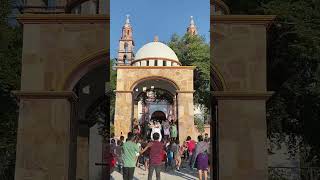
{"points": [[51, 51], [129, 76], [43, 142], [239, 53]]}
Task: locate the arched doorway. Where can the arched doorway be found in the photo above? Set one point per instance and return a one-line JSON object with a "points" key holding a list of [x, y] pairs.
{"points": [[91, 112], [158, 115], [154, 99]]}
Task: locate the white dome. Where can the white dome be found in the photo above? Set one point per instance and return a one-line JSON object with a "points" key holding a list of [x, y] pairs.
{"points": [[156, 50]]}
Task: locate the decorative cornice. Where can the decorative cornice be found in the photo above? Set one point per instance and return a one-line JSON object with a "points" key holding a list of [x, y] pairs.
{"points": [[156, 58], [62, 19], [121, 91], [185, 91], [71, 96], [242, 19], [155, 67], [238, 95]]}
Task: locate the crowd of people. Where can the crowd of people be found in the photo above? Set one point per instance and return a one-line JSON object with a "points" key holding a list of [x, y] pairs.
{"points": [[157, 148]]}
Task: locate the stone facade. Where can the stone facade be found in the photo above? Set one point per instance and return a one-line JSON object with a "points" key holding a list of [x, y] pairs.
{"points": [[129, 76], [239, 56], [57, 51]]}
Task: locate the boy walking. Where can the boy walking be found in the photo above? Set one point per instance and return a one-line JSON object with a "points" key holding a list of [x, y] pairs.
{"points": [[156, 155], [130, 153]]}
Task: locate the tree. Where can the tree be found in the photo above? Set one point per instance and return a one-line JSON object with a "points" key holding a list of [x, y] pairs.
{"points": [[293, 71], [194, 51], [199, 124], [112, 88], [10, 62]]}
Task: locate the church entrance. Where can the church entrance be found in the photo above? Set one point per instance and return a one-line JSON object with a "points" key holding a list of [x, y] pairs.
{"points": [[154, 100], [158, 115]]}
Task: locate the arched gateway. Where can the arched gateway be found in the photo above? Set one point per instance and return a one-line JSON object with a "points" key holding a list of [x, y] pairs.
{"points": [[55, 57], [155, 68]]}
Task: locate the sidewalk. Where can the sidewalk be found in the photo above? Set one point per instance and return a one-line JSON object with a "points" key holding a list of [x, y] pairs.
{"points": [[140, 173]]}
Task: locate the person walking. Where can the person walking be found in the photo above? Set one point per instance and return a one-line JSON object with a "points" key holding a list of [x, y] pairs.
{"points": [[156, 156], [191, 145], [166, 129], [170, 157], [177, 153], [130, 153], [156, 129], [119, 155], [201, 156], [206, 138], [173, 131]]}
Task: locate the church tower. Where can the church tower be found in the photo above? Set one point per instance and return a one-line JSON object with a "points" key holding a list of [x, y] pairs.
{"points": [[192, 29], [126, 45]]}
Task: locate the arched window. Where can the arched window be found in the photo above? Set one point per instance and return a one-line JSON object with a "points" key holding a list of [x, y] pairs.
{"points": [[126, 47]]}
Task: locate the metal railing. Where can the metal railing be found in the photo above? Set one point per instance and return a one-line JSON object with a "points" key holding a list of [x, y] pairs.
{"points": [[294, 173]]}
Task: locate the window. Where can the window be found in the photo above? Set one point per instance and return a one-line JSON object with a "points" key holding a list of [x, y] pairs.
{"points": [[126, 47], [164, 63], [147, 63], [155, 63]]}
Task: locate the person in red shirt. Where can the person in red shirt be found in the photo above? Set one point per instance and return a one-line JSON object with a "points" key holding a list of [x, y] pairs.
{"points": [[156, 152], [191, 145]]}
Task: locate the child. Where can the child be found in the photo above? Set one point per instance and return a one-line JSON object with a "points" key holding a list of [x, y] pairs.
{"points": [[119, 155]]}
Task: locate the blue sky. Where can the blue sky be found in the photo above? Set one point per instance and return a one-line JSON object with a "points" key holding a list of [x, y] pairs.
{"points": [[157, 17]]}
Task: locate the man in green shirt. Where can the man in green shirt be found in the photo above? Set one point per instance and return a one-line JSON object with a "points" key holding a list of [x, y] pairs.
{"points": [[130, 152]]}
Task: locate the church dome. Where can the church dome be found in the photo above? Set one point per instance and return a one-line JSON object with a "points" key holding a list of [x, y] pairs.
{"points": [[155, 54]]}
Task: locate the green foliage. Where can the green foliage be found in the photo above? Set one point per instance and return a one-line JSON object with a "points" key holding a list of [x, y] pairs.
{"points": [[112, 88], [199, 124], [10, 62], [194, 51]]}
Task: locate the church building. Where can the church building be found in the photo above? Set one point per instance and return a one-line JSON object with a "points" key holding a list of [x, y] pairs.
{"points": [[152, 84]]}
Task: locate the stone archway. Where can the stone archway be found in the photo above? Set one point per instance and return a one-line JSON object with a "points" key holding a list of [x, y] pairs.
{"points": [[238, 77], [180, 77], [86, 64], [48, 106]]}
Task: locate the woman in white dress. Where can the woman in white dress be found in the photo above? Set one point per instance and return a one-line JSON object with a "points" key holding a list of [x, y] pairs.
{"points": [[156, 128]]}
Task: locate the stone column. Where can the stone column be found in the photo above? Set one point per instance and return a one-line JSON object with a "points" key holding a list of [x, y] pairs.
{"points": [[46, 140], [122, 119], [242, 136], [83, 150], [185, 115], [135, 107]]}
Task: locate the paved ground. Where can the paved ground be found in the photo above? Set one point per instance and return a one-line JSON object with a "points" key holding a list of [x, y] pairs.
{"points": [[140, 173]]}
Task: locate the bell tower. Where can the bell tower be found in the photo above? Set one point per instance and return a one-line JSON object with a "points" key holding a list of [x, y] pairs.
{"points": [[126, 45], [192, 29]]}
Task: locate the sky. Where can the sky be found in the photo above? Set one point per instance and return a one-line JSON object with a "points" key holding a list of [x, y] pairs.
{"points": [[160, 18]]}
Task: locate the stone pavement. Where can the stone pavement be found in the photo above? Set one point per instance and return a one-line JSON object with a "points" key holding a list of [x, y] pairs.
{"points": [[140, 173]]}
